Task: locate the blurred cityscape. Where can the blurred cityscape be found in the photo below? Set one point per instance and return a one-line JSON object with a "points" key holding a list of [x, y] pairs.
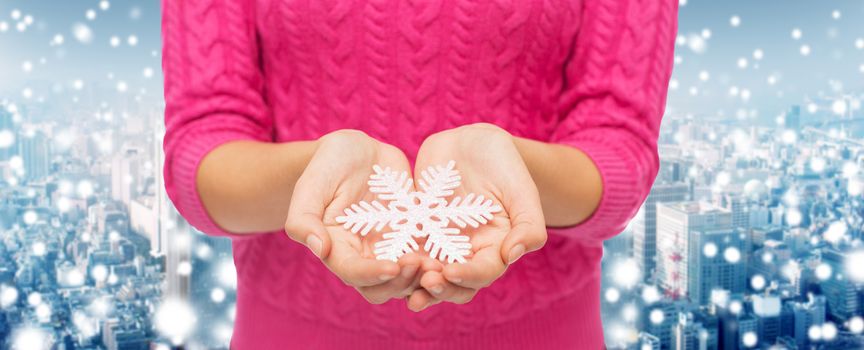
{"points": [[93, 255], [750, 238]]}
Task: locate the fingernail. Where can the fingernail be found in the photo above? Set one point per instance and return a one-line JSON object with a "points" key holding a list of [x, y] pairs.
{"points": [[386, 277], [454, 279], [437, 289], [315, 245], [515, 253], [425, 306], [408, 271]]}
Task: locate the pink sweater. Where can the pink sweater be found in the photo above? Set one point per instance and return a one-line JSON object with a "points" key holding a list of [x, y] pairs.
{"points": [[590, 74]]}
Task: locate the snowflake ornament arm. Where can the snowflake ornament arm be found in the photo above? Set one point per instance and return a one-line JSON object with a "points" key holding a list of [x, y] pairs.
{"points": [[413, 215], [440, 181], [447, 244], [394, 245], [472, 211], [387, 184]]}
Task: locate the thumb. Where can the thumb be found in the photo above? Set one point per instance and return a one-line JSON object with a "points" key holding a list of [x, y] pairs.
{"points": [[526, 235], [308, 229], [528, 226], [305, 222]]}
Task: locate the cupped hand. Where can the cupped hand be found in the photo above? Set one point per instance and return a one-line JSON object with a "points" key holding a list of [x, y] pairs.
{"points": [[490, 165], [336, 177]]}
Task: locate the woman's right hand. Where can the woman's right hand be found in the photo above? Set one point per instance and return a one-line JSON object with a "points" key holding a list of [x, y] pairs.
{"points": [[336, 177]]}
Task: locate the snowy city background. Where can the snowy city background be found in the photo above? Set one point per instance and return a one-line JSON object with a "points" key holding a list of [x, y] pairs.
{"points": [[751, 237]]}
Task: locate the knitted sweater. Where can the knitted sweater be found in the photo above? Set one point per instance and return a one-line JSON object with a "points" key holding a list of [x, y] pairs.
{"points": [[590, 74]]}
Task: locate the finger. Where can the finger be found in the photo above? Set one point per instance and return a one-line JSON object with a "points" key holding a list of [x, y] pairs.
{"points": [[527, 234], [528, 226], [479, 272], [430, 264], [401, 286], [308, 230], [441, 289], [421, 300], [358, 271], [520, 199], [304, 223]]}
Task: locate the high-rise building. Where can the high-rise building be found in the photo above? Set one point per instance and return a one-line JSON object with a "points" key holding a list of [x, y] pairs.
{"points": [[125, 175], [805, 315], [174, 236], [748, 326], [716, 259], [840, 293], [737, 205], [644, 227], [690, 334], [767, 310], [35, 150], [178, 266], [648, 341], [162, 204], [7, 130], [735, 326], [793, 118], [787, 323], [758, 216], [675, 222], [661, 326], [152, 214]]}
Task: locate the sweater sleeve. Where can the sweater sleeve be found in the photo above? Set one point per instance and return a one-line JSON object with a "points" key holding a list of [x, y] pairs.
{"points": [[612, 103], [213, 92]]}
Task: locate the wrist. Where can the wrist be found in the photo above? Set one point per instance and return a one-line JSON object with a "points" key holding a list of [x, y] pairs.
{"points": [[297, 153]]}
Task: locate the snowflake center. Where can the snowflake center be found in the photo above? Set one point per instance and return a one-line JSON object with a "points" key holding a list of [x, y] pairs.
{"points": [[419, 213]]}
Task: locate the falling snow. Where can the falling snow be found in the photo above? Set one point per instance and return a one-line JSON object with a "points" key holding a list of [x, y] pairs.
{"points": [[82, 33], [757, 78], [175, 319], [735, 21], [796, 34]]}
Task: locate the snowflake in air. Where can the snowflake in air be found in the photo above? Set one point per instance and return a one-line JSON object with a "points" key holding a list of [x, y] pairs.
{"points": [[426, 213]]}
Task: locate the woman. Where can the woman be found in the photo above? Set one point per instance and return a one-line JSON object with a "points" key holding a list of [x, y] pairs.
{"points": [[551, 108]]}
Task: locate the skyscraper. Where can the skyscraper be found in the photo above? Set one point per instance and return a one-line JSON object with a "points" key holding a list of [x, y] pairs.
{"points": [[8, 148], [841, 293], [660, 320], [793, 118], [807, 314], [125, 174], [717, 259], [767, 310], [675, 222], [645, 224], [740, 213], [689, 334], [35, 151], [648, 342], [734, 326]]}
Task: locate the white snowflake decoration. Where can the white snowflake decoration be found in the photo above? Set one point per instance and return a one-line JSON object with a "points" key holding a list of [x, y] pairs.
{"points": [[411, 214]]}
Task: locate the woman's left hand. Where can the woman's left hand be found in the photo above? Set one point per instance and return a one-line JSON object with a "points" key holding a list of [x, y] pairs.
{"points": [[490, 165]]}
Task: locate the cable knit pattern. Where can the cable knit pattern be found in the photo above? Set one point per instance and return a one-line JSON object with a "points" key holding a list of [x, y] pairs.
{"points": [[588, 74]]}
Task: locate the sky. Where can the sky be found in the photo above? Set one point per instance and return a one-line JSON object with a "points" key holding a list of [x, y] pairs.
{"points": [[754, 57], [809, 49], [64, 46]]}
